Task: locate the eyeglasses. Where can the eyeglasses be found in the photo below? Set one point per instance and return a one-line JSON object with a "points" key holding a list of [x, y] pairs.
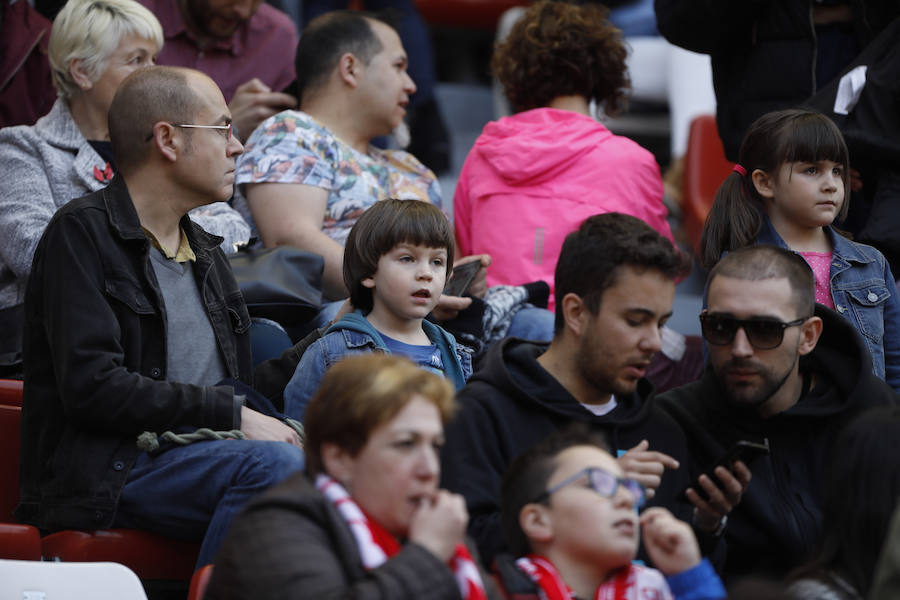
{"points": [[762, 333], [226, 128], [604, 483]]}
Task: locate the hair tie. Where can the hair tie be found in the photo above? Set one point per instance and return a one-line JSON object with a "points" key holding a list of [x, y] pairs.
{"points": [[740, 170]]}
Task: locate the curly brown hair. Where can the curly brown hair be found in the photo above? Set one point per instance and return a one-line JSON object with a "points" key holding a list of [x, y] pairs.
{"points": [[562, 49]]}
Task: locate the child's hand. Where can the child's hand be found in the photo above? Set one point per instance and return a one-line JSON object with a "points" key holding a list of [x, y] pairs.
{"points": [[670, 542], [646, 466]]}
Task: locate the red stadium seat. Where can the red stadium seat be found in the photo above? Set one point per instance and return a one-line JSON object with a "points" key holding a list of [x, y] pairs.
{"points": [[199, 582], [10, 418], [11, 392], [19, 542], [149, 555], [471, 14], [705, 168]]}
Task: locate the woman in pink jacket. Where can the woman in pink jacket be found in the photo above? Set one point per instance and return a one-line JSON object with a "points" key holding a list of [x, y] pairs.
{"points": [[533, 177]]}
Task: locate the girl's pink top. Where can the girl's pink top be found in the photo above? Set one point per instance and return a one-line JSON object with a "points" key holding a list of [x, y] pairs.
{"points": [[820, 263]]}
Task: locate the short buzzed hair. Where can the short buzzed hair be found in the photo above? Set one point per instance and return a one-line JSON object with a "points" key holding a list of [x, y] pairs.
{"points": [[330, 36], [758, 263], [145, 98]]}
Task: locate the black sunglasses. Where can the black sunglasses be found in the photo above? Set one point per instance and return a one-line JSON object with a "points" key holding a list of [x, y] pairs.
{"points": [[763, 333]]}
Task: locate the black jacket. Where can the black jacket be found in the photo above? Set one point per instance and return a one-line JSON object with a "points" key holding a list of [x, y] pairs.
{"points": [[510, 404], [778, 521], [763, 52], [291, 542], [95, 358]]}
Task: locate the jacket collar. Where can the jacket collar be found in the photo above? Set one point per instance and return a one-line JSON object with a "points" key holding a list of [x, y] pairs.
{"points": [[59, 129], [843, 248], [125, 221]]}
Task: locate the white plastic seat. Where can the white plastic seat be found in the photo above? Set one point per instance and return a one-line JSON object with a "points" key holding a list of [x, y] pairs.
{"points": [[40, 580]]}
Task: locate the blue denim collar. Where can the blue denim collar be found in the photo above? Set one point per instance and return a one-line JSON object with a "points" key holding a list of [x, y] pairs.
{"points": [[844, 250]]}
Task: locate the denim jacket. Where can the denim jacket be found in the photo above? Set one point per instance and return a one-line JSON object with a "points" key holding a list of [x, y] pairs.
{"points": [[864, 292], [353, 334]]}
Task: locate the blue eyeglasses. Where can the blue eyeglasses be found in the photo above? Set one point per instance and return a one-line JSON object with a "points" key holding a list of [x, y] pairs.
{"points": [[604, 483]]}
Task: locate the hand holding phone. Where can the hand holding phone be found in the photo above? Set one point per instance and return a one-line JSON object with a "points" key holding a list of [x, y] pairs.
{"points": [[742, 450], [720, 488], [462, 278]]}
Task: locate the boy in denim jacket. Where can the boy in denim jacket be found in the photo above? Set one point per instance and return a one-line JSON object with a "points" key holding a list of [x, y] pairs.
{"points": [[396, 260]]}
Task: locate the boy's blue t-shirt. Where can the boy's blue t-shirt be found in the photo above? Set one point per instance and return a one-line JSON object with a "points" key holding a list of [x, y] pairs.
{"points": [[427, 357], [353, 334]]}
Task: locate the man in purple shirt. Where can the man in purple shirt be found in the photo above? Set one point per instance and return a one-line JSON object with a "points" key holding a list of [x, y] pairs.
{"points": [[246, 46]]}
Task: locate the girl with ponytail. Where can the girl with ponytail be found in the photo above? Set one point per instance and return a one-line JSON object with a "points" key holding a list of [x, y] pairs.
{"points": [[790, 185]]}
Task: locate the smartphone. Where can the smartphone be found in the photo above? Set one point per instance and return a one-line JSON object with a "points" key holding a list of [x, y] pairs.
{"points": [[742, 450], [462, 278]]}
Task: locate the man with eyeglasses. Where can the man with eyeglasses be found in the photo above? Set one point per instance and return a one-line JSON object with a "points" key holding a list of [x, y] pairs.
{"points": [[570, 518], [615, 284], [783, 372], [135, 324]]}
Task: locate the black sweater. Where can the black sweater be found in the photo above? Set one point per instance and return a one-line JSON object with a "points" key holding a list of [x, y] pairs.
{"points": [[778, 522], [510, 404]]}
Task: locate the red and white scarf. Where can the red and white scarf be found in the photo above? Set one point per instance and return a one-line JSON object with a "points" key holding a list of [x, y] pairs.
{"points": [[631, 583], [376, 545]]}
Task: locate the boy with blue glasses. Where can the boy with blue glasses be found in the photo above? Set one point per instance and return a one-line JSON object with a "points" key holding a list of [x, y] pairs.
{"points": [[573, 520]]}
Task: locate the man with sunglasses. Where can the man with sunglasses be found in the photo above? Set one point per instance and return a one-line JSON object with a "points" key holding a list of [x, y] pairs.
{"points": [[783, 372], [134, 323], [570, 516], [615, 284]]}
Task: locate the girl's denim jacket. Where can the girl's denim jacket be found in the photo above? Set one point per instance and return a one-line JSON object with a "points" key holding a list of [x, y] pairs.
{"points": [[864, 292], [353, 334]]}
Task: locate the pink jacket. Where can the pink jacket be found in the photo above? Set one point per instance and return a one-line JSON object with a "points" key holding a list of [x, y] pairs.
{"points": [[532, 178]]}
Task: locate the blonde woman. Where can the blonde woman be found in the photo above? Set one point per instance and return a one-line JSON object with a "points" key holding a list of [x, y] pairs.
{"points": [[94, 45]]}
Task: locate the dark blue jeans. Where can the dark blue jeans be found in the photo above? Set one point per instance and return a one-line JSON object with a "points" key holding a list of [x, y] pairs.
{"points": [[193, 492]]}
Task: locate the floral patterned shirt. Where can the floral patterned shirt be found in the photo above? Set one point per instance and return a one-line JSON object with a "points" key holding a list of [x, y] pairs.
{"points": [[291, 147]]}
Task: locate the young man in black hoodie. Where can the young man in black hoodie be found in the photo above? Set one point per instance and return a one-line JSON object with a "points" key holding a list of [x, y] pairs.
{"points": [[784, 372], [615, 282]]}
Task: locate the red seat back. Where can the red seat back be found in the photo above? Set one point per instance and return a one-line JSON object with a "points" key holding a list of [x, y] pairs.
{"points": [[10, 419], [470, 14], [19, 542], [149, 555], [705, 168], [11, 392]]}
